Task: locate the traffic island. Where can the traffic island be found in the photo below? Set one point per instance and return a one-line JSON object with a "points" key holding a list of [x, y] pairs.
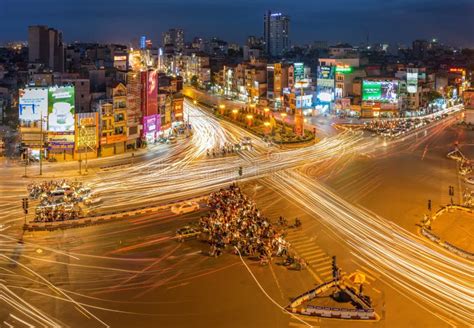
{"points": [[346, 295], [451, 227]]}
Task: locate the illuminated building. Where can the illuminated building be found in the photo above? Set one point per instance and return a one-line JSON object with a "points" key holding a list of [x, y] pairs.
{"points": [[113, 118], [276, 33]]}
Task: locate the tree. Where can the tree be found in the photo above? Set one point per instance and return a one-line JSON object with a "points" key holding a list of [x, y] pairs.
{"points": [[432, 96], [194, 81]]}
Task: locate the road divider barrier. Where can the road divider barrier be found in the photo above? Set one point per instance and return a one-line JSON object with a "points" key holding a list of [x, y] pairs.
{"points": [[327, 312], [103, 218], [428, 233]]}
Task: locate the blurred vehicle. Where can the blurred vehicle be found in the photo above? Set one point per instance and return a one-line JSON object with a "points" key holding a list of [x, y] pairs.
{"points": [[171, 140], [92, 201], [187, 232], [469, 180], [184, 208]]}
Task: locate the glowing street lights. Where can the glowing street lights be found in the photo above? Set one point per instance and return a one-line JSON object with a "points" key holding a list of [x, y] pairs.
{"points": [[249, 120], [234, 113], [267, 127], [266, 110]]}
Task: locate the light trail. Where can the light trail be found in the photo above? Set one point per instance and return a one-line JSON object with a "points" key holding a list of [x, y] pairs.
{"points": [[431, 276]]}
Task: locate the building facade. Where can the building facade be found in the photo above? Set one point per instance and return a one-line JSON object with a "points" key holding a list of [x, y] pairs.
{"points": [[276, 33]]}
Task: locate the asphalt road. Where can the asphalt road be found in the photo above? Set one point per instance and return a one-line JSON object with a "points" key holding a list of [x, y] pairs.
{"points": [[133, 273]]}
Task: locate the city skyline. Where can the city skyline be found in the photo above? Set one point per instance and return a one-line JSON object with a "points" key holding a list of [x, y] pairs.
{"points": [[123, 21]]}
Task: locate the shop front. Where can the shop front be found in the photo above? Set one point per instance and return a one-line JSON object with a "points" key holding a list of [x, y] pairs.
{"points": [[113, 145], [61, 146], [151, 126]]}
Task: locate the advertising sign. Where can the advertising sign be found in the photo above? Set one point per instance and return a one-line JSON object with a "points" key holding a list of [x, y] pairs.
{"points": [[87, 131], [152, 93], [412, 80], [343, 69], [299, 71], [150, 128], [149, 123], [325, 84], [61, 140], [61, 109], [325, 73], [380, 91], [33, 102], [469, 99]]}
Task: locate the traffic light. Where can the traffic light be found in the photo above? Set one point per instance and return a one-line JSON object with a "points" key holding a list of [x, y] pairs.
{"points": [[335, 269], [240, 171], [25, 205], [429, 204]]}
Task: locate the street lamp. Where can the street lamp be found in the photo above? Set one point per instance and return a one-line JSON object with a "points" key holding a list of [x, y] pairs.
{"points": [[267, 126], [266, 110], [235, 112], [249, 118]]}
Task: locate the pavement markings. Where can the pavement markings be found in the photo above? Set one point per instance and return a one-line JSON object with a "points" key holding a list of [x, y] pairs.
{"points": [[313, 254], [322, 269], [309, 247], [315, 258], [326, 274], [303, 242]]}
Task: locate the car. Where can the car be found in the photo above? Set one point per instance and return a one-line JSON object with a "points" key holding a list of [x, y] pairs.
{"points": [[186, 207], [187, 232], [84, 191], [469, 180], [246, 141], [91, 201], [172, 139]]}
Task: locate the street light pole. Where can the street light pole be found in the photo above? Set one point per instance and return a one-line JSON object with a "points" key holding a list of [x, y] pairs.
{"points": [[41, 144]]}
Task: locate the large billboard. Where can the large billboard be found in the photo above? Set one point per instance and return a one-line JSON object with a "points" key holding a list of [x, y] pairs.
{"points": [[325, 84], [87, 132], [326, 72], [380, 91], [298, 71], [32, 103], [412, 80], [152, 93], [61, 109]]}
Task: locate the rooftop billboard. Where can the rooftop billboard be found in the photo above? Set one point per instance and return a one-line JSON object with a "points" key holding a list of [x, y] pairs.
{"points": [[380, 91]]}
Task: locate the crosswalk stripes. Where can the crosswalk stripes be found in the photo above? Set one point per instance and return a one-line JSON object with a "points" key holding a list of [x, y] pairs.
{"points": [[306, 248], [314, 257], [326, 274], [303, 243], [312, 253]]}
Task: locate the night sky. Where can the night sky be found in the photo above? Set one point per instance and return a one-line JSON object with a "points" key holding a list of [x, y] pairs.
{"points": [[451, 21]]}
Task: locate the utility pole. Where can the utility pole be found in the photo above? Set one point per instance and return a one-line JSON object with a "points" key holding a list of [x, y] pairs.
{"points": [[41, 144], [25, 155], [25, 207]]}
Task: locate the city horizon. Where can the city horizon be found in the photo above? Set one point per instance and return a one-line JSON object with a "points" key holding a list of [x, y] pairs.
{"points": [[351, 24]]}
